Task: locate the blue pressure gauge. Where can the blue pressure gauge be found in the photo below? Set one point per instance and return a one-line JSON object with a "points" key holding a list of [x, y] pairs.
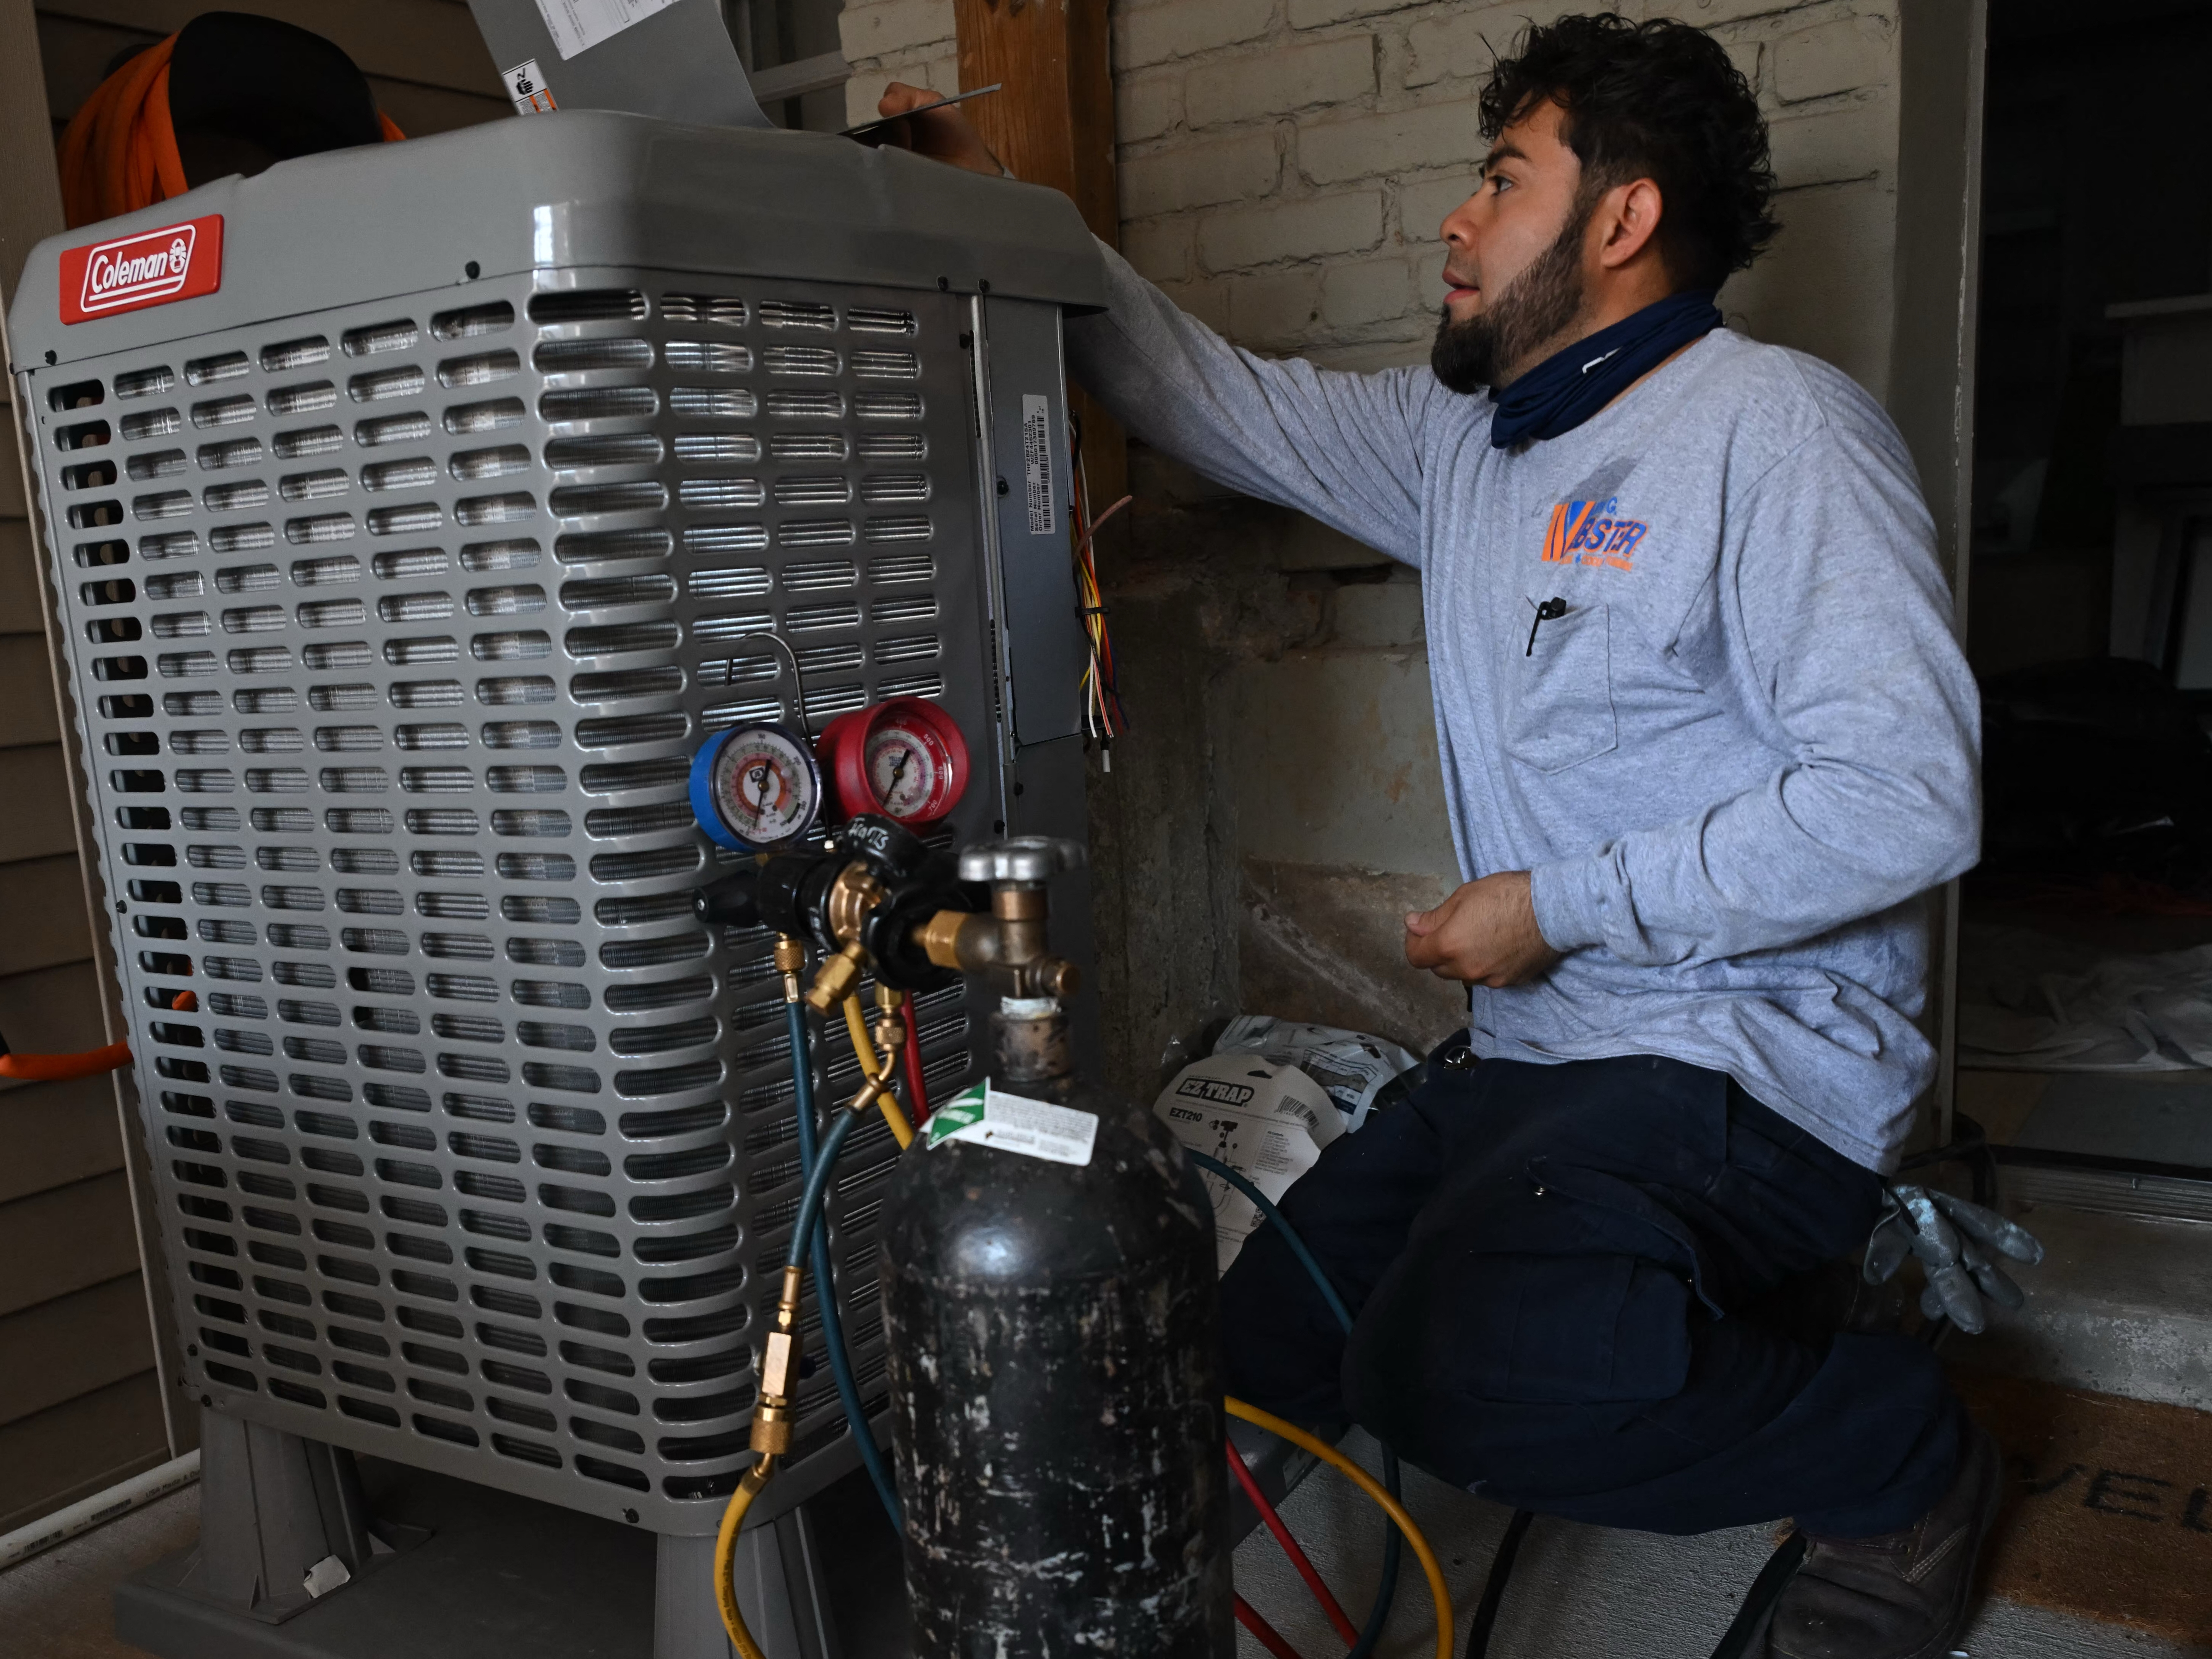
{"points": [[757, 788]]}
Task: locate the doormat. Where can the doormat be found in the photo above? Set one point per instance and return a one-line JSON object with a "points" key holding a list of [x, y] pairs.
{"points": [[2109, 1514]]}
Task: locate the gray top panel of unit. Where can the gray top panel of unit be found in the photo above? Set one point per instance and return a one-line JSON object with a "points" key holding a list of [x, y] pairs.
{"points": [[582, 188]]}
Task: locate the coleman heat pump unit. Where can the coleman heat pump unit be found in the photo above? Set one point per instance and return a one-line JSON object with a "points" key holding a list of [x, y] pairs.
{"points": [[416, 514]]}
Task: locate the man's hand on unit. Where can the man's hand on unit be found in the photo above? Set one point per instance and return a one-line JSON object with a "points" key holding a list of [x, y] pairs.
{"points": [[943, 134], [1485, 933]]}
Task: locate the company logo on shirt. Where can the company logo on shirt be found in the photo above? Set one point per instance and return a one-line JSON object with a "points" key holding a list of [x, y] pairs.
{"points": [[1593, 532]]}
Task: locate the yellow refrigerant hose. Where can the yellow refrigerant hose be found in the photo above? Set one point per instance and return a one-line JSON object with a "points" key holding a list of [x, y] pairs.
{"points": [[726, 1555], [856, 1027], [1367, 1483]]}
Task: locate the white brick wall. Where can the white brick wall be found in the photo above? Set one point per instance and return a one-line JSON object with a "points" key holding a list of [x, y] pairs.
{"points": [[1286, 163], [887, 41], [1368, 106]]}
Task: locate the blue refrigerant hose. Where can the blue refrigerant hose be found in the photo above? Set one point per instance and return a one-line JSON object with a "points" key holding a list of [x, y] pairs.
{"points": [[811, 1234], [1387, 1592]]}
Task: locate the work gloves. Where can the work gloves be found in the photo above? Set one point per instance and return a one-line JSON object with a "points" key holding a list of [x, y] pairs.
{"points": [[1958, 1244]]}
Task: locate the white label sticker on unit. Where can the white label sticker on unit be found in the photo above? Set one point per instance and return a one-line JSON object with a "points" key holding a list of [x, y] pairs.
{"points": [[578, 25], [1034, 1129], [527, 88], [1036, 463]]}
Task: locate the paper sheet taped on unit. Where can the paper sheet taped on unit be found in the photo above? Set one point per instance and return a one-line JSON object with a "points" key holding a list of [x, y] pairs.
{"points": [[578, 25]]}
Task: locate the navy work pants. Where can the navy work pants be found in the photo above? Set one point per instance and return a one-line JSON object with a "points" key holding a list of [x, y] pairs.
{"points": [[1555, 1274]]}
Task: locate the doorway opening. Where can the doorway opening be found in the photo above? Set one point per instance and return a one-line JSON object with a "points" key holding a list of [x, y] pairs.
{"points": [[2085, 988]]}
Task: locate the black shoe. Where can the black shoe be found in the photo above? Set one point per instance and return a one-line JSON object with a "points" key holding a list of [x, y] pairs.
{"points": [[1902, 1595]]}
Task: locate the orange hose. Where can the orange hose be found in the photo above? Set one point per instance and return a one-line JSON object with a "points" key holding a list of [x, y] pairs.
{"points": [[60, 1068], [162, 139], [122, 134], [119, 153]]}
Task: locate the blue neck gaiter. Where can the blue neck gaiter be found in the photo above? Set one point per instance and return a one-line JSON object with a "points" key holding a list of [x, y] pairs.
{"points": [[1570, 386]]}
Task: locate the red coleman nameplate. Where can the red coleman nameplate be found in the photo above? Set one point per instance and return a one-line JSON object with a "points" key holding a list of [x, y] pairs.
{"points": [[176, 262]]}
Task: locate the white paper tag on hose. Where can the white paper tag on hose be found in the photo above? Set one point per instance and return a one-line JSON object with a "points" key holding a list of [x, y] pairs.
{"points": [[1034, 1129], [578, 25]]}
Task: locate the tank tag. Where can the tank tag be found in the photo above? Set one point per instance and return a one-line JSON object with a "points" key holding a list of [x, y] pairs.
{"points": [[1034, 1129]]}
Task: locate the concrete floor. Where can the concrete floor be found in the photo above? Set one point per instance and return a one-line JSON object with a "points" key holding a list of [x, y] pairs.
{"points": [[55, 1605], [1576, 1590], [2121, 1307], [1579, 1591]]}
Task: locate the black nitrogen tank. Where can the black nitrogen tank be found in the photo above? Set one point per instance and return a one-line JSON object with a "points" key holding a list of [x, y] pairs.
{"points": [[1053, 1339]]}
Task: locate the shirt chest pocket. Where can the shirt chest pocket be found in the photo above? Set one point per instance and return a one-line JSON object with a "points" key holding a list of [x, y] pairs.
{"points": [[1561, 711]]}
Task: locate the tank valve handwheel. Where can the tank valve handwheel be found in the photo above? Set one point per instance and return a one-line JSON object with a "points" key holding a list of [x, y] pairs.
{"points": [[756, 789], [904, 757]]}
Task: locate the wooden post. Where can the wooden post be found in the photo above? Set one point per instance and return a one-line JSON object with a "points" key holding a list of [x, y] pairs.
{"points": [[1052, 122]]}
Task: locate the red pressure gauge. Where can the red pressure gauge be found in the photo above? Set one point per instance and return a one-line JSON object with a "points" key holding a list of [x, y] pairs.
{"points": [[904, 757]]}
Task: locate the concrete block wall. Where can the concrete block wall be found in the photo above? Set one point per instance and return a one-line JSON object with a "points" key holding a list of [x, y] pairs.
{"points": [[1284, 167]]}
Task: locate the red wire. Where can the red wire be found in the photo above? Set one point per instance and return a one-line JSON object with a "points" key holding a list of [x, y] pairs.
{"points": [[1248, 1617], [1329, 1604], [917, 1086]]}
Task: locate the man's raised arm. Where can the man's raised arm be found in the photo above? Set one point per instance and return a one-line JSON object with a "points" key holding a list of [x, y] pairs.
{"points": [[1340, 447]]}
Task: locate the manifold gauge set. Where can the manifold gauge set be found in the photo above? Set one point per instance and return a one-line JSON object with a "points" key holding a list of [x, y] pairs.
{"points": [[762, 787]]}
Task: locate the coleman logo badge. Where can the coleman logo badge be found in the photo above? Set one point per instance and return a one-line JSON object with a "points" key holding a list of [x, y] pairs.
{"points": [[176, 262]]}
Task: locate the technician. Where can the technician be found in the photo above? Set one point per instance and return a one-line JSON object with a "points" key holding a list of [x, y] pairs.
{"points": [[1709, 740]]}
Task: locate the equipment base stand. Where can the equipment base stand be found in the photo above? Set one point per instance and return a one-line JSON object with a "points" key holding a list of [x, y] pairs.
{"points": [[493, 1573]]}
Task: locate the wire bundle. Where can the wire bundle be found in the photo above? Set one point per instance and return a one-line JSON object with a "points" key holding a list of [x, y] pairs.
{"points": [[1103, 718]]}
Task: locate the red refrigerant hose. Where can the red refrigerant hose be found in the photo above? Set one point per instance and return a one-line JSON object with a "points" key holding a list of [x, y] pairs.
{"points": [[62, 1068], [1248, 1617], [1329, 1605], [917, 1087]]}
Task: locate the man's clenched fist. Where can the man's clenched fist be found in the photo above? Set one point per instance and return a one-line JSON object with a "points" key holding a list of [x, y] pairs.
{"points": [[1485, 933]]}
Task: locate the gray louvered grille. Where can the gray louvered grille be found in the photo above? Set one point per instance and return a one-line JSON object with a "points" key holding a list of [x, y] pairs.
{"points": [[469, 1152]]}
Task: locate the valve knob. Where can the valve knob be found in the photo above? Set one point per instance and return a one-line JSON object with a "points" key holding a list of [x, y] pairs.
{"points": [[732, 901], [1028, 858]]}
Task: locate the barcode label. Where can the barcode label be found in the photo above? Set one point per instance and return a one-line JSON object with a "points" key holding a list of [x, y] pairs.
{"points": [[1036, 463]]}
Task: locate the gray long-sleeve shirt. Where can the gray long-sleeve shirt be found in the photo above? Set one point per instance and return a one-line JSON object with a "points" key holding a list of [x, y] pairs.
{"points": [[1735, 765]]}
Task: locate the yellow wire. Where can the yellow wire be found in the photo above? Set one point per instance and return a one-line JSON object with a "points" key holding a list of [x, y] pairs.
{"points": [[726, 1555], [856, 1027], [1368, 1484]]}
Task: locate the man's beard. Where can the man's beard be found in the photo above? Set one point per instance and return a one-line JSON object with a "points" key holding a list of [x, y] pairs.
{"points": [[1509, 336]]}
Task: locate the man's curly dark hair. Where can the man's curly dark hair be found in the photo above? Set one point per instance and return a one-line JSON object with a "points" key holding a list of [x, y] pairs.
{"points": [[1657, 99]]}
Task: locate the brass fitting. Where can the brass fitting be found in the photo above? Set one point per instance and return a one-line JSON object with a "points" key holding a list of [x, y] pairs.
{"points": [[790, 960], [960, 939], [1007, 947], [775, 1413], [871, 1090], [834, 979], [891, 1024], [853, 896]]}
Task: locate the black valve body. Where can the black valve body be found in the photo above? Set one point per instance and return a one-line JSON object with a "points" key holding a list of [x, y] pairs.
{"points": [[790, 894], [1053, 1343]]}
